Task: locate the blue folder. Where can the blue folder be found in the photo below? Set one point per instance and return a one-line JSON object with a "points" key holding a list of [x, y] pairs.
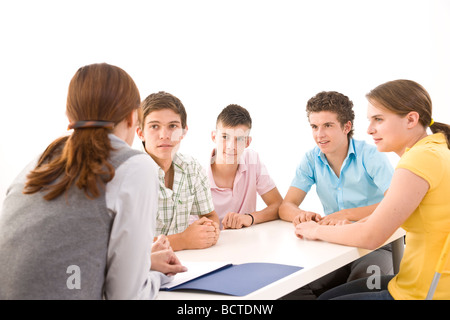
{"points": [[238, 280]]}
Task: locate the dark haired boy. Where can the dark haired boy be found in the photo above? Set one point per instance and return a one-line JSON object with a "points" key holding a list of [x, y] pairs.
{"points": [[351, 178], [237, 175], [184, 187]]}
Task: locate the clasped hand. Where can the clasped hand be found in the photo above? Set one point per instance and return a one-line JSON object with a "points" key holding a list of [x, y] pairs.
{"points": [[234, 220], [202, 233]]}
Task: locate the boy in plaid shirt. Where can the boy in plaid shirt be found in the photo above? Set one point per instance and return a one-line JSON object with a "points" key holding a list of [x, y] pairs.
{"points": [[184, 186]]}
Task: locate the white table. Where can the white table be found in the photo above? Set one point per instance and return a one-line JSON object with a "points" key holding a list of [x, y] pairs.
{"points": [[276, 242]]}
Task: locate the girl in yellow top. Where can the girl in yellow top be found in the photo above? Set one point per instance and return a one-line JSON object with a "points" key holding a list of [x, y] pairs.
{"points": [[417, 200]]}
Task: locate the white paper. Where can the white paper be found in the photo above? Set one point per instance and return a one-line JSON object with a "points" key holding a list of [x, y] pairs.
{"points": [[195, 270]]}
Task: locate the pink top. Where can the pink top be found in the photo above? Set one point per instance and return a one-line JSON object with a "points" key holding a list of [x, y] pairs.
{"points": [[251, 178]]}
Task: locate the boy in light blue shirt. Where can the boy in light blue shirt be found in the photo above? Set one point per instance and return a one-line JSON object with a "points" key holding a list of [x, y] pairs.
{"points": [[351, 178], [363, 179]]}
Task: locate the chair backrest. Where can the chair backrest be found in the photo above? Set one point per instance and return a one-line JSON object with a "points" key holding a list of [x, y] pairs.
{"points": [[442, 266]]}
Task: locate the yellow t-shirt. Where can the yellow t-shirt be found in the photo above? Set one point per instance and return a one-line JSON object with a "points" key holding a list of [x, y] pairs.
{"points": [[429, 225]]}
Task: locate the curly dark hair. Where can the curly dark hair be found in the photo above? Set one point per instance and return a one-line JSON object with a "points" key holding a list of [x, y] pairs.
{"points": [[334, 102]]}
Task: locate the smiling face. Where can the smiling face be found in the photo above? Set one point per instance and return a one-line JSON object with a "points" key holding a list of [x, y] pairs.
{"points": [[162, 133], [328, 133], [230, 142]]}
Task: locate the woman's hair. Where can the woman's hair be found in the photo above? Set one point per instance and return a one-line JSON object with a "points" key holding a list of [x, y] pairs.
{"points": [[334, 102], [404, 96], [98, 93]]}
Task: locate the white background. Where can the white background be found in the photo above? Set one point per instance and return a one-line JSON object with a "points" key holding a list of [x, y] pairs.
{"points": [[268, 56]]}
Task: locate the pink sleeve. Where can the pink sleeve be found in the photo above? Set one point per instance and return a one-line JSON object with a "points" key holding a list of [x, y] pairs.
{"points": [[264, 182]]}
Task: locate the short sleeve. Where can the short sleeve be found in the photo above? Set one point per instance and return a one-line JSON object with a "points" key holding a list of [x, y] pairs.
{"points": [[304, 175], [425, 163], [264, 182], [379, 168]]}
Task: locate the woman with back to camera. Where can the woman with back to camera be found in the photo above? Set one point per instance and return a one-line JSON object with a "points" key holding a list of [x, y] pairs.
{"points": [[79, 223], [417, 200]]}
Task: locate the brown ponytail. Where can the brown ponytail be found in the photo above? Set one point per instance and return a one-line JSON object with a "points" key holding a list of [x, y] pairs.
{"points": [[98, 92], [442, 128]]}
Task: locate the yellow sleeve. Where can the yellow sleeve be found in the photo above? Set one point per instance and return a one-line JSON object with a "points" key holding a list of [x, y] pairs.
{"points": [[424, 162]]}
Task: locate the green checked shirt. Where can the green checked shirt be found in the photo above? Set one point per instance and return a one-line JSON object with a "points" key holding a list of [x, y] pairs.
{"points": [[191, 195]]}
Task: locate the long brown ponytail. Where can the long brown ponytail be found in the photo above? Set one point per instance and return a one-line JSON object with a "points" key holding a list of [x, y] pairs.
{"points": [[98, 92], [404, 96]]}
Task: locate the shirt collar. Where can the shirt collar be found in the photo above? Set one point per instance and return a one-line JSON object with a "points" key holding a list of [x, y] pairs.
{"points": [[351, 150], [242, 167], [242, 160], [178, 165], [113, 137], [178, 162], [438, 138]]}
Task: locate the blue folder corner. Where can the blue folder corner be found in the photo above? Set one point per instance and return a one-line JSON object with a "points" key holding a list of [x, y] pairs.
{"points": [[239, 280]]}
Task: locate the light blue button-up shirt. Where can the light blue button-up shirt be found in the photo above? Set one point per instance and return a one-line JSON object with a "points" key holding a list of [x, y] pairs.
{"points": [[364, 178]]}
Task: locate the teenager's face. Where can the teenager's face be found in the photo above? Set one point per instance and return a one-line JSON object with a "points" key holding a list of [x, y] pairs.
{"points": [[327, 132], [230, 143], [386, 128], [162, 134]]}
